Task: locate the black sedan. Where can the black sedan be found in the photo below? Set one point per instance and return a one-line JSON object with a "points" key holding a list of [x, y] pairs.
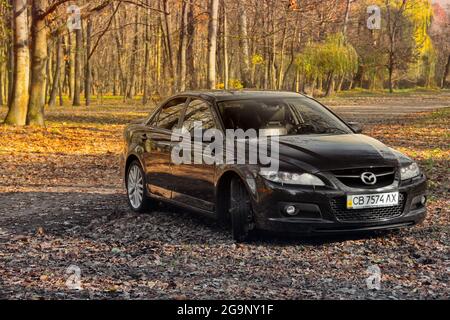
{"points": [[329, 177]]}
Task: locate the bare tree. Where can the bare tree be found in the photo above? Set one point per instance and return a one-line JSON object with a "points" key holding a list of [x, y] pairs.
{"points": [[212, 42], [393, 22], [19, 94], [39, 57], [226, 69], [190, 47], [88, 69], [133, 62], [77, 69], [183, 44], [56, 73], [446, 73], [245, 51], [145, 73]]}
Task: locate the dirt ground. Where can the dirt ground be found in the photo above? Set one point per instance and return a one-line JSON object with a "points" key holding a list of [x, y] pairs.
{"points": [[62, 204]]}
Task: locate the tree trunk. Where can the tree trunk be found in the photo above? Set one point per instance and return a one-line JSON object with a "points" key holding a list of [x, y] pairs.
{"points": [[133, 65], [10, 49], [36, 104], [72, 58], [145, 85], [158, 57], [446, 73], [48, 72], [226, 71], [392, 25], [330, 84], [183, 45], [1, 84], [56, 73], [340, 83], [19, 95], [272, 70], [265, 24], [346, 18], [120, 53], [61, 100], [77, 74], [66, 67], [87, 73], [280, 71], [212, 43], [114, 93], [168, 43], [391, 71], [190, 48], [245, 51]]}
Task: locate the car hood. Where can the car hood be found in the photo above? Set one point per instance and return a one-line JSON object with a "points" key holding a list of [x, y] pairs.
{"points": [[334, 152]]}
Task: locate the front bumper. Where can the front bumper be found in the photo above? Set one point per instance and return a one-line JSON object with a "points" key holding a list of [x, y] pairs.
{"points": [[318, 213]]}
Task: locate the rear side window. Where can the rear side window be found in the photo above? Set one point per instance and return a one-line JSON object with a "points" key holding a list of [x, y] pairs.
{"points": [[198, 112], [170, 114]]}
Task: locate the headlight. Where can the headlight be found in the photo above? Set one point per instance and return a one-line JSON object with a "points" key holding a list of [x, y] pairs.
{"points": [[305, 179], [410, 171]]}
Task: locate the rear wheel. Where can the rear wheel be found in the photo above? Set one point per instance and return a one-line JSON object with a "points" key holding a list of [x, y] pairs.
{"points": [[136, 188], [240, 211]]}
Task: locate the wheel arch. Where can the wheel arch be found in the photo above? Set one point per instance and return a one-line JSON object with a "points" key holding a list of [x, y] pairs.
{"points": [[131, 157], [223, 188]]}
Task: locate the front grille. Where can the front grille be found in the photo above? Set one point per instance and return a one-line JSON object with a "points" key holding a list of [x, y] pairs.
{"points": [[339, 209], [352, 177]]}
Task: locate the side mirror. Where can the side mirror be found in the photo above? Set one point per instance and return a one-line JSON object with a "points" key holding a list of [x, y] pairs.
{"points": [[356, 126]]}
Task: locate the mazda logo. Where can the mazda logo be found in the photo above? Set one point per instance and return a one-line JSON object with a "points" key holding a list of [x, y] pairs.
{"points": [[369, 178]]}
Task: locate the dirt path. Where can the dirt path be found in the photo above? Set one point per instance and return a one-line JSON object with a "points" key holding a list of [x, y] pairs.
{"points": [[369, 110], [66, 207]]}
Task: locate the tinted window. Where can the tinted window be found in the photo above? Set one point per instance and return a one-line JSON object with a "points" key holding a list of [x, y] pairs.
{"points": [[198, 111], [288, 116], [169, 116]]}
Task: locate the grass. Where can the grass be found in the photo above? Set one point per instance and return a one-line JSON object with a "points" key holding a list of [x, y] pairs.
{"points": [[359, 92]]}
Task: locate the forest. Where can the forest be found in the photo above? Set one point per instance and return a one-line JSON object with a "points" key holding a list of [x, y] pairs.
{"points": [[74, 51], [75, 74]]}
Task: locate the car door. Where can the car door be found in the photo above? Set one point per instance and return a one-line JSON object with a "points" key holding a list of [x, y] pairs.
{"points": [[158, 145], [195, 182]]}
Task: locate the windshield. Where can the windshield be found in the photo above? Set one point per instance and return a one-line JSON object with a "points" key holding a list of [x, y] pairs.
{"points": [[281, 116]]}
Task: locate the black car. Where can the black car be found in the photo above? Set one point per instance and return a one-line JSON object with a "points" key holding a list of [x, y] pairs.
{"points": [[330, 178]]}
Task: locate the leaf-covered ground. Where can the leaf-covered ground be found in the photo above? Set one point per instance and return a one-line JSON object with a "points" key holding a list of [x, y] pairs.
{"points": [[62, 204]]}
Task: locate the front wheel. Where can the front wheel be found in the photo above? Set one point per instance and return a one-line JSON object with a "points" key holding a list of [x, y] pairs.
{"points": [[240, 211], [136, 188]]}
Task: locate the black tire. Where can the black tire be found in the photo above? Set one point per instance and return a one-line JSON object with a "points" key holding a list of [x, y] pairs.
{"points": [[147, 203], [240, 211]]}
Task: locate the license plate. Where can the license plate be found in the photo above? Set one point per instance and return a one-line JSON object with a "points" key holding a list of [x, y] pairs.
{"points": [[378, 200]]}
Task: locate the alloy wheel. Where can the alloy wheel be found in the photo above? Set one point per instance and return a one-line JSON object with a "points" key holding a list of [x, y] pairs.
{"points": [[135, 186]]}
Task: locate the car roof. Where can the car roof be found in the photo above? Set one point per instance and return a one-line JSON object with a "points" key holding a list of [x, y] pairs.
{"points": [[228, 95]]}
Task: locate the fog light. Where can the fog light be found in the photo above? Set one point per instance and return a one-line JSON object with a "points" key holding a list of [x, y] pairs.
{"points": [[291, 210], [423, 201]]}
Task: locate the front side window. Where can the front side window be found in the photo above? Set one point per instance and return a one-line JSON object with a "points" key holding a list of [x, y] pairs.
{"points": [[281, 116], [170, 114], [198, 112]]}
